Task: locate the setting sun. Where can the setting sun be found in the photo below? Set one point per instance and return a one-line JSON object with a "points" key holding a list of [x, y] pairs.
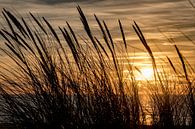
{"points": [[145, 74]]}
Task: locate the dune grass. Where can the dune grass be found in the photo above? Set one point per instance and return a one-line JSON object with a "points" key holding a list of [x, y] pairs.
{"points": [[58, 81]]}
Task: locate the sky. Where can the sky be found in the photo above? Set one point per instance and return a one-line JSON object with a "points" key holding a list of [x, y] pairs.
{"points": [[159, 20]]}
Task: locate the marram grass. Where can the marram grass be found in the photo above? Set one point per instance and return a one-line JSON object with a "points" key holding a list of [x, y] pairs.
{"points": [[58, 81]]}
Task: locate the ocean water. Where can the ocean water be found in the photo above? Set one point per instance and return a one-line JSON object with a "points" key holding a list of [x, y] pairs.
{"points": [[164, 22]]}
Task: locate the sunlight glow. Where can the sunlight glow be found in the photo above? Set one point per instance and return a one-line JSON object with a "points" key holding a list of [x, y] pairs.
{"points": [[146, 74]]}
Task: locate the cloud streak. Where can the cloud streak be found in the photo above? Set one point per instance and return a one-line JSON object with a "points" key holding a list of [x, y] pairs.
{"points": [[51, 2]]}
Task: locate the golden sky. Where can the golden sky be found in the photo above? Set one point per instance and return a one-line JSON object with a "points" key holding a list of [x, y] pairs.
{"points": [[159, 20]]}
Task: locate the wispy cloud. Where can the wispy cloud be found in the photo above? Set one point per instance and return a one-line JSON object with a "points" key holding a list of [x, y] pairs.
{"points": [[55, 1]]}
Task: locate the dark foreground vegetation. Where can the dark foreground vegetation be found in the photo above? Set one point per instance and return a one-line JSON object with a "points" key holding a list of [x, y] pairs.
{"points": [[53, 80]]}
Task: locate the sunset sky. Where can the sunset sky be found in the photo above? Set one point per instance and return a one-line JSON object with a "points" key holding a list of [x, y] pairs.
{"points": [[79, 64], [159, 20]]}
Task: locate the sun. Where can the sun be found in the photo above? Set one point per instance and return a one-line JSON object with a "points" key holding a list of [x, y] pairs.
{"points": [[145, 74]]}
